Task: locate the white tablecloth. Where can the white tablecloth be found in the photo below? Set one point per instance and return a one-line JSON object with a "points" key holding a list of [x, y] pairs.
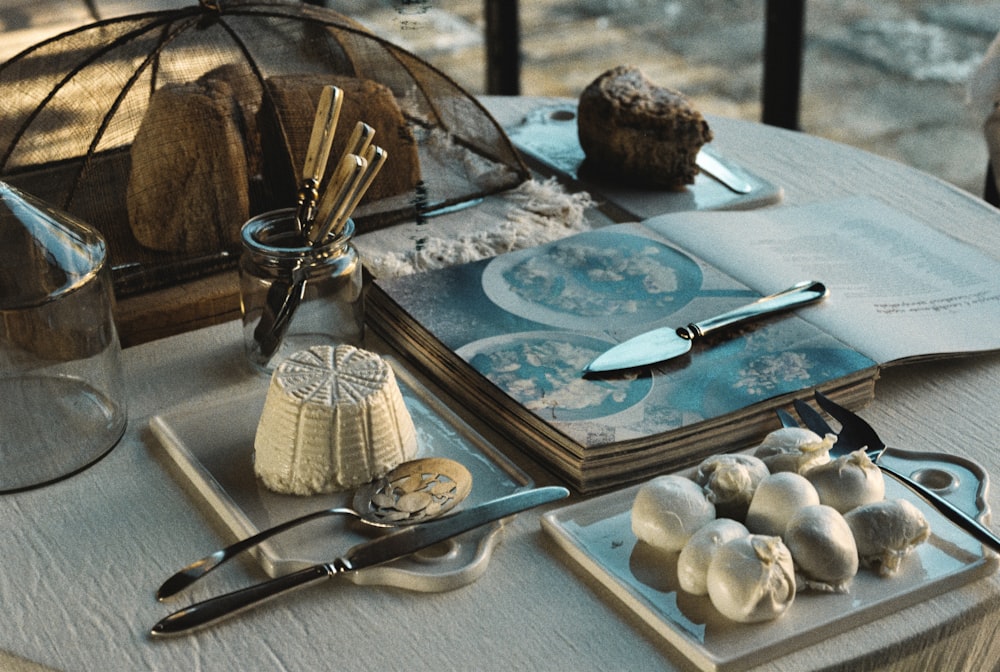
{"points": [[81, 558]]}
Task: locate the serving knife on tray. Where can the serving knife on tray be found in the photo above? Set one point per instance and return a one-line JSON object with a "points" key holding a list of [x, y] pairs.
{"points": [[367, 554], [666, 343], [715, 168]]}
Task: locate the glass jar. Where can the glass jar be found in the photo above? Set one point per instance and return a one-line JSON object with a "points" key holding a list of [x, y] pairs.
{"points": [[294, 295], [62, 399]]}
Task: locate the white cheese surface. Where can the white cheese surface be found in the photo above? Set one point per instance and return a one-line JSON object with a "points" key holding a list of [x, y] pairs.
{"points": [[334, 418]]}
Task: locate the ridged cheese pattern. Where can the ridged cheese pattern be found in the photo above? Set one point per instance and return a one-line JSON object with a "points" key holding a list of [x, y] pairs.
{"points": [[334, 418]]}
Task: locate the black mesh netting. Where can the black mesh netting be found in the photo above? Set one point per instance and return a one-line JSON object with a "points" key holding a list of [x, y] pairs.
{"points": [[167, 130]]}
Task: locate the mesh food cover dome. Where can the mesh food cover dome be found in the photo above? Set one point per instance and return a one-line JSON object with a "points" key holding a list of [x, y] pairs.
{"points": [[167, 130]]}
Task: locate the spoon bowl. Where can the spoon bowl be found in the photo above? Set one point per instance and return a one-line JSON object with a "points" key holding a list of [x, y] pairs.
{"points": [[413, 492]]}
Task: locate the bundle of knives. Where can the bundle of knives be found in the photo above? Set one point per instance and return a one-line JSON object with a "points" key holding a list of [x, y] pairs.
{"points": [[323, 207]]}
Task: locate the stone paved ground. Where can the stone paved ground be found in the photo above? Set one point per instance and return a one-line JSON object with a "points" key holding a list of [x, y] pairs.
{"points": [[885, 76]]}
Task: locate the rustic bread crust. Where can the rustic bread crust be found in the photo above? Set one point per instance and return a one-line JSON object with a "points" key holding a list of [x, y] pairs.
{"points": [[188, 186], [202, 146], [638, 132], [286, 120]]}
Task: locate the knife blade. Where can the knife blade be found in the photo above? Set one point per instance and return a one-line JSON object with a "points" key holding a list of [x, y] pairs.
{"points": [[715, 168], [668, 342], [366, 554]]}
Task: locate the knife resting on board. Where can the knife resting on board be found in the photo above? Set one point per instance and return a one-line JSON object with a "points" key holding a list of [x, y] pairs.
{"points": [[367, 554]]}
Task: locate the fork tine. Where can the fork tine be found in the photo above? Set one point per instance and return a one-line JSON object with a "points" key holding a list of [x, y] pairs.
{"points": [[854, 429], [785, 418], [812, 419]]}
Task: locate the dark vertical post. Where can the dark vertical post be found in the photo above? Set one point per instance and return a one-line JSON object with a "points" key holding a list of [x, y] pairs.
{"points": [[503, 48], [784, 30], [990, 190]]}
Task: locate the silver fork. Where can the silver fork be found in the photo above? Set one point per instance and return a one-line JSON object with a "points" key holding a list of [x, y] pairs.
{"points": [[856, 434]]}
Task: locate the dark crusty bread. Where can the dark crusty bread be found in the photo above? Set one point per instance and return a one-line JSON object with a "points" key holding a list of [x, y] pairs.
{"points": [[210, 153], [287, 114], [188, 185], [638, 132]]}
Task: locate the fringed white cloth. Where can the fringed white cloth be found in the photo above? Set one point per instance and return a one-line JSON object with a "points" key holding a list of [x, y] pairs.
{"points": [[537, 212]]}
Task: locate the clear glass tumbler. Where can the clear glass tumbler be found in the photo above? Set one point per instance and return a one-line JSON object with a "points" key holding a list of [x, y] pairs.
{"points": [[62, 398], [294, 295]]}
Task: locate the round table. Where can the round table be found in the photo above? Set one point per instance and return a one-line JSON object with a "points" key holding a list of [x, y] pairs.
{"points": [[83, 557]]}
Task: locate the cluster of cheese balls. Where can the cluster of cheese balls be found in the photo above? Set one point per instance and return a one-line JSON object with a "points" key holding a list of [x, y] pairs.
{"points": [[752, 530]]}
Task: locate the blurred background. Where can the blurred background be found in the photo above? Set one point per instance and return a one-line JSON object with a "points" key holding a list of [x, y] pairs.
{"points": [[889, 76]]}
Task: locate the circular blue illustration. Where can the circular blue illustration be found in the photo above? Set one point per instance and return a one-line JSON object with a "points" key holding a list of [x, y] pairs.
{"points": [[593, 281], [543, 371]]}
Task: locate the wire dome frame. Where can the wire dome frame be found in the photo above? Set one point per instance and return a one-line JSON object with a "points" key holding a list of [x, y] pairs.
{"points": [[167, 130]]}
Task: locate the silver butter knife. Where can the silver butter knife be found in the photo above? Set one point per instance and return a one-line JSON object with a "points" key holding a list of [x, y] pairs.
{"points": [[667, 342], [367, 554]]}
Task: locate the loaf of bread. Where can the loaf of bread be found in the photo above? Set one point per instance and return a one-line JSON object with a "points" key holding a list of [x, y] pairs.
{"points": [[286, 122], [187, 190], [637, 132], [211, 153]]}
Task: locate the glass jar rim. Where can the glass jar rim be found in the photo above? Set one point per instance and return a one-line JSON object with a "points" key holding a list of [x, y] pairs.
{"points": [[277, 224]]}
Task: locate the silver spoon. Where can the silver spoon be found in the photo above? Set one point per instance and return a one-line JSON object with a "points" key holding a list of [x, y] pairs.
{"points": [[413, 492]]}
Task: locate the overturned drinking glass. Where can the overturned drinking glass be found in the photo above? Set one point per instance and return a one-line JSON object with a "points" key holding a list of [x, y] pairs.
{"points": [[62, 398]]}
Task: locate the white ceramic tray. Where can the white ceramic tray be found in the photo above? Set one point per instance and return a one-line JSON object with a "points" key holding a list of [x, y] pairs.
{"points": [[211, 441], [549, 137], [597, 534]]}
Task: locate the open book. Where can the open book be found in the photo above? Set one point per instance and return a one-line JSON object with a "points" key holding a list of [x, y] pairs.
{"points": [[510, 336]]}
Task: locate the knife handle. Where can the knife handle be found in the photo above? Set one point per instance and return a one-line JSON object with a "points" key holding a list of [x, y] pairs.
{"points": [[216, 608], [960, 518], [797, 295]]}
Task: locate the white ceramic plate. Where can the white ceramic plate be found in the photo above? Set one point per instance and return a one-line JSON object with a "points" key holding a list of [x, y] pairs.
{"points": [[211, 441], [597, 533]]}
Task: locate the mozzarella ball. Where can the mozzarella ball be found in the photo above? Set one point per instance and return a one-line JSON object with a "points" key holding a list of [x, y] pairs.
{"points": [[695, 557], [823, 548], [886, 532], [794, 449], [668, 510], [776, 500], [729, 482], [848, 481], [752, 579]]}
